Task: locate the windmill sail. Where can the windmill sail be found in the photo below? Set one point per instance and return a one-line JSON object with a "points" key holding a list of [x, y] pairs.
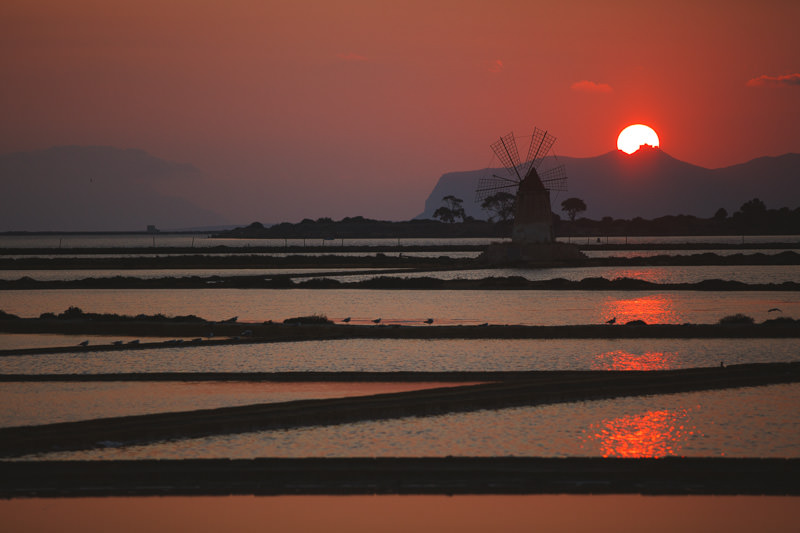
{"points": [[541, 142], [530, 186], [506, 151], [554, 179]]}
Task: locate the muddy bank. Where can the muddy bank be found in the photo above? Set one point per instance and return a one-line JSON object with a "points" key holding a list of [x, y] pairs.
{"points": [[140, 429], [231, 333], [397, 260], [235, 260], [428, 475], [313, 376], [389, 283], [339, 246]]}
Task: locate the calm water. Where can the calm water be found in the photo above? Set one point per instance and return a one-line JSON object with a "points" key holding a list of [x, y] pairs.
{"points": [[402, 514], [738, 422], [151, 273], [687, 252], [15, 341], [654, 274], [23, 404], [414, 306], [764, 423], [435, 254], [203, 240], [390, 355]]}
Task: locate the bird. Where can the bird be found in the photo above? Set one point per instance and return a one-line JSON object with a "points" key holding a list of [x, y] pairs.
{"points": [[346, 320], [134, 341], [116, 343], [612, 321], [774, 309], [376, 321], [429, 321], [84, 343]]}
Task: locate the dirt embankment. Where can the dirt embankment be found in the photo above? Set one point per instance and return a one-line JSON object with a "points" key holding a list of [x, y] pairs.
{"points": [[232, 333], [392, 475], [542, 389], [381, 282]]}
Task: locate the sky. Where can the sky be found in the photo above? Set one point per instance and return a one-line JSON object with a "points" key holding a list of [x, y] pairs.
{"points": [[326, 108]]}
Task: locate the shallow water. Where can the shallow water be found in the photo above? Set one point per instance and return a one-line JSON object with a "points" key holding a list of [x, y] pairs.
{"points": [[653, 274], [150, 273], [395, 514], [686, 252], [391, 355], [14, 341], [23, 404], [203, 240], [414, 306], [763, 423]]}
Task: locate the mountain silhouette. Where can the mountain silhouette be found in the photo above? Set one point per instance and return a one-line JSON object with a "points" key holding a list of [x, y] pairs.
{"points": [[96, 188], [648, 183]]}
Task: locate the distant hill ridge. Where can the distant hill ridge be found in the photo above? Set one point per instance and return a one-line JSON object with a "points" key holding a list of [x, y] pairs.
{"points": [[95, 188], [649, 183]]}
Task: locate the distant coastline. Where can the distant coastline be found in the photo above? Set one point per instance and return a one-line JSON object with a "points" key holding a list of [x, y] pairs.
{"points": [[752, 219]]}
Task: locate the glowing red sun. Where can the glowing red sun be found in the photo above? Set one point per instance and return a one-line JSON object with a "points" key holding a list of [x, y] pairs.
{"points": [[636, 135]]}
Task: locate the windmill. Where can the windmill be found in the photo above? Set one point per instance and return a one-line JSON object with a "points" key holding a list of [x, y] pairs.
{"points": [[533, 219]]}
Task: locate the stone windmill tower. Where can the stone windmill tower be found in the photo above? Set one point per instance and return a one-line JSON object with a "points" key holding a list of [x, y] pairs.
{"points": [[533, 218], [532, 239]]}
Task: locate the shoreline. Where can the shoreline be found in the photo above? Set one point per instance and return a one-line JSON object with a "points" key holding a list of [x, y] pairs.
{"points": [[382, 282], [539, 390], [274, 332], [390, 475]]}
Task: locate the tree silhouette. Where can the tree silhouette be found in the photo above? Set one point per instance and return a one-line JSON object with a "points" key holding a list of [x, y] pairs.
{"points": [[501, 205], [573, 206], [754, 208], [452, 211]]}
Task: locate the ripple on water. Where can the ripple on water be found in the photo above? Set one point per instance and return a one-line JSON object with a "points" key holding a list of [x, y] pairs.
{"points": [[387, 355], [743, 422]]}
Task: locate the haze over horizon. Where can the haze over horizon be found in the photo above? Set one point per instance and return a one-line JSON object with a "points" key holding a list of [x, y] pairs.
{"points": [[294, 110]]}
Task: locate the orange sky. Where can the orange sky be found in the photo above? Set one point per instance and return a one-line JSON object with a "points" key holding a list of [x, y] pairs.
{"points": [[334, 108]]}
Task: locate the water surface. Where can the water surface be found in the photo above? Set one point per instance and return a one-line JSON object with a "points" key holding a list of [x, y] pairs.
{"points": [[414, 306], [402, 514], [741, 422], [437, 355], [23, 404]]}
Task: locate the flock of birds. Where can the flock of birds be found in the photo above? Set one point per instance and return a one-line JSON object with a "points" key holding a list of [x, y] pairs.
{"points": [[773, 310], [378, 321]]}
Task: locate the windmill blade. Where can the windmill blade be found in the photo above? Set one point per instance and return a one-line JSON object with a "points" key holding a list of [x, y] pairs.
{"points": [[506, 151], [541, 142], [554, 179], [489, 185]]}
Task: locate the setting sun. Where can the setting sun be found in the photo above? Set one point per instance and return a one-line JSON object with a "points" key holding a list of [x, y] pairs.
{"points": [[636, 135]]}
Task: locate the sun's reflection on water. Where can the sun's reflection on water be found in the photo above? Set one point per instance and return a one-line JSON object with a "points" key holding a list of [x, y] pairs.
{"points": [[652, 309], [656, 433], [622, 360]]}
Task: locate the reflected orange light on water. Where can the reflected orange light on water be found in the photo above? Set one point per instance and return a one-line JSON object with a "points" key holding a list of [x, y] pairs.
{"points": [[622, 360], [653, 309], [652, 434]]}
